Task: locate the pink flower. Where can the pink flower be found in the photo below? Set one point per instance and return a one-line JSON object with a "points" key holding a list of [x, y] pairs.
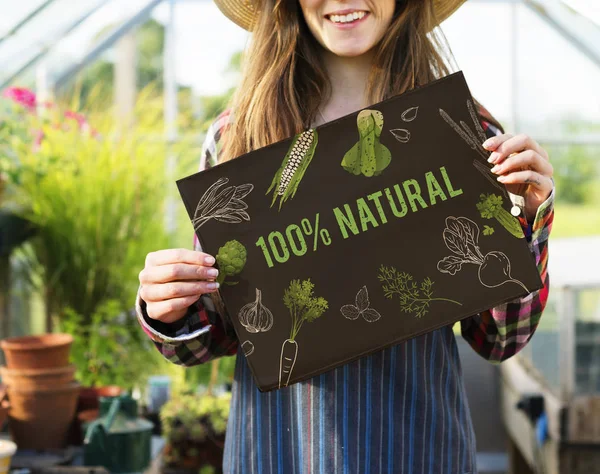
{"points": [[21, 96], [39, 137], [79, 118]]}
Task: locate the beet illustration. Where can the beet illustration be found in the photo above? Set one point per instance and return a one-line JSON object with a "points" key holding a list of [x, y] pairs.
{"points": [[495, 271], [461, 236]]}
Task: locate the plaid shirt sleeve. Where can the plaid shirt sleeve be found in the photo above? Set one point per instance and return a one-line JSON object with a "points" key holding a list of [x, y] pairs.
{"points": [[202, 334], [501, 332]]}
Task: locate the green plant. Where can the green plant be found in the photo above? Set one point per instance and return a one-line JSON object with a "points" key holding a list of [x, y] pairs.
{"points": [[194, 429], [231, 258], [576, 173], [414, 298], [97, 199], [490, 207], [110, 349]]}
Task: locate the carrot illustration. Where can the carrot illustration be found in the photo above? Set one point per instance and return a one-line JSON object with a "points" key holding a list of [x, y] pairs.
{"points": [[289, 352], [304, 307]]}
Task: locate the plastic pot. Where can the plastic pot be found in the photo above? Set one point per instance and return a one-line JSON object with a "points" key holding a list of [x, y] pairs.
{"points": [[32, 378], [40, 418], [37, 352], [7, 450]]}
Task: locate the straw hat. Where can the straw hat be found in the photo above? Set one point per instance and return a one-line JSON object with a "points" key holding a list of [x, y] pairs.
{"points": [[243, 12]]}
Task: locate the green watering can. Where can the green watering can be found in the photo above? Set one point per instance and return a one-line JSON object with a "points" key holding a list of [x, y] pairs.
{"points": [[118, 439]]}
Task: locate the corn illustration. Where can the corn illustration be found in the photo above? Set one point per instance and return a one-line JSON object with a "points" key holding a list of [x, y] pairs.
{"points": [[287, 179]]}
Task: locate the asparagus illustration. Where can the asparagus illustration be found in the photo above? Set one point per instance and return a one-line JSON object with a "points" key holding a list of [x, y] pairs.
{"points": [[287, 179], [475, 141]]}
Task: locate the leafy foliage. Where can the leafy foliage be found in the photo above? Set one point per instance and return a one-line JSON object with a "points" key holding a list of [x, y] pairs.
{"points": [[299, 298], [110, 350], [414, 298], [576, 173], [191, 421], [487, 230], [489, 206]]}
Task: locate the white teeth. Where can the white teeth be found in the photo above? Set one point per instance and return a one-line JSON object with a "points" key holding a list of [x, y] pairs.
{"points": [[350, 17]]}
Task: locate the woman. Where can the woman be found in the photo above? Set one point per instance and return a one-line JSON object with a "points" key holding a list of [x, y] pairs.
{"points": [[403, 409]]}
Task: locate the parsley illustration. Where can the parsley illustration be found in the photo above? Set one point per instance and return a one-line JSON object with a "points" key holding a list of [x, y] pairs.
{"points": [[414, 298]]}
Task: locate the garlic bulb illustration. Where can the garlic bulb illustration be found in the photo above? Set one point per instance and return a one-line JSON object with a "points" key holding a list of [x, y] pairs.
{"points": [[256, 317]]}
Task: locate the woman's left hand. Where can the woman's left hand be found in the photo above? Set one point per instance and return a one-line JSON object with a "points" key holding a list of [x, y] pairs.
{"points": [[524, 167]]}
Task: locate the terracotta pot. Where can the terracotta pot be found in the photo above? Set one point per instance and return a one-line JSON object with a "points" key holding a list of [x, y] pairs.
{"points": [[32, 378], [37, 352], [89, 397], [40, 418]]}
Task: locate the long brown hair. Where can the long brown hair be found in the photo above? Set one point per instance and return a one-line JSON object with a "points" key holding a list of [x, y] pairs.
{"points": [[284, 80]]}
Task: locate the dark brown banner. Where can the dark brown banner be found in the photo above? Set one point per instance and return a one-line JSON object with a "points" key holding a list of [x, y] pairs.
{"points": [[360, 234]]}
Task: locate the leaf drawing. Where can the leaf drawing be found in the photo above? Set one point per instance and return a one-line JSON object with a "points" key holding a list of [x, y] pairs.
{"points": [[362, 308], [410, 114], [224, 205], [304, 306], [487, 230], [414, 298], [248, 348], [475, 141], [401, 134], [494, 267]]}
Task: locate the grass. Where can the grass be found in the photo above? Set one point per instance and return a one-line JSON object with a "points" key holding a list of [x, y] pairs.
{"points": [[576, 220]]}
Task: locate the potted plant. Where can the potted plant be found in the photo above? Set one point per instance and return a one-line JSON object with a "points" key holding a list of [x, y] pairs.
{"points": [[194, 429]]}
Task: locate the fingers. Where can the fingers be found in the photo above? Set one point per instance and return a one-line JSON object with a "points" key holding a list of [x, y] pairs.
{"points": [[177, 272], [528, 159], [171, 256], [543, 183], [504, 145], [169, 311], [175, 290]]}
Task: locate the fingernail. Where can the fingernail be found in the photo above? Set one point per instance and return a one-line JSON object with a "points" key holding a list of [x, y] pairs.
{"points": [[501, 178], [209, 260], [213, 272], [495, 169], [212, 285], [488, 143], [493, 157]]}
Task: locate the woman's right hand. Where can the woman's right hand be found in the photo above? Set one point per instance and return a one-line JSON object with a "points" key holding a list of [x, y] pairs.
{"points": [[172, 280]]}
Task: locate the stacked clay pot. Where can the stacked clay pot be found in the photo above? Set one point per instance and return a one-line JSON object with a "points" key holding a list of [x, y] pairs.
{"points": [[41, 389]]}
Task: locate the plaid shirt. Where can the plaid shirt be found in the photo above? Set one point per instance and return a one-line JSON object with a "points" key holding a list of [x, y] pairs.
{"points": [[407, 403]]}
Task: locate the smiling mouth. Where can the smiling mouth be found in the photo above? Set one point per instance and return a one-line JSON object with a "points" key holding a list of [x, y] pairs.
{"points": [[347, 17]]}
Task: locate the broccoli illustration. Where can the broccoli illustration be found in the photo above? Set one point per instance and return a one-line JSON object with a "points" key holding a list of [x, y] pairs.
{"points": [[231, 258]]}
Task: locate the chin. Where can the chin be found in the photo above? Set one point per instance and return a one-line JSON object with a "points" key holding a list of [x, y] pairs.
{"points": [[350, 50]]}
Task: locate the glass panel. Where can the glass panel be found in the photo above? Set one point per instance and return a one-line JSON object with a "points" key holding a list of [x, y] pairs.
{"points": [[40, 33], [543, 350], [557, 99], [587, 342]]}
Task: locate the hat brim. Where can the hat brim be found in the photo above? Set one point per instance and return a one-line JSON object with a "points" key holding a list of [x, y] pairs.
{"points": [[243, 13]]}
